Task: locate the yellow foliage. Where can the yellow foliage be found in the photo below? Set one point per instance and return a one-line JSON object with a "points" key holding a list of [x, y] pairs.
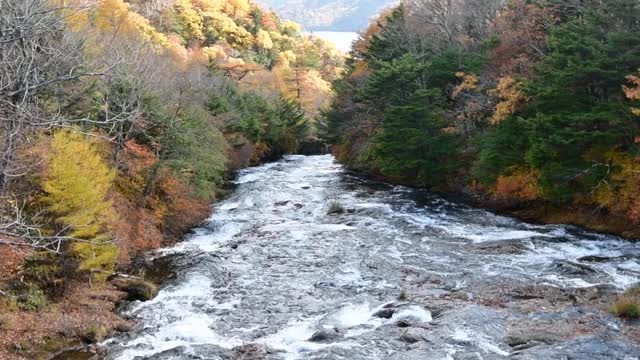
{"points": [[286, 57], [620, 192], [114, 17], [74, 14], [263, 39], [237, 8], [227, 29], [290, 27], [190, 18], [209, 5], [215, 52], [316, 93], [76, 187], [511, 96], [275, 36], [469, 83]]}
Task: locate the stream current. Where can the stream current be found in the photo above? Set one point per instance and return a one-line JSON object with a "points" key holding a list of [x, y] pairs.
{"points": [[396, 273]]}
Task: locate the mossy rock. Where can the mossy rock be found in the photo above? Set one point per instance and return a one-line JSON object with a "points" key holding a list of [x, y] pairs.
{"points": [[94, 334], [136, 289], [41, 348]]}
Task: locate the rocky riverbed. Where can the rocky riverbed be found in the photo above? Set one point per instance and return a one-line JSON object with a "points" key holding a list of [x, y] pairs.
{"points": [[307, 261]]}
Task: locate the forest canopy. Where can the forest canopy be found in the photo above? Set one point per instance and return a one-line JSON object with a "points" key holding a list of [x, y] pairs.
{"points": [[515, 100]]}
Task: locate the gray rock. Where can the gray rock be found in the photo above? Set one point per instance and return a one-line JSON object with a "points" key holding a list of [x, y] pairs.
{"points": [[326, 335]]}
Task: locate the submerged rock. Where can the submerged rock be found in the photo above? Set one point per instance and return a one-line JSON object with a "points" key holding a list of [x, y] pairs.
{"points": [[512, 247], [567, 267]]}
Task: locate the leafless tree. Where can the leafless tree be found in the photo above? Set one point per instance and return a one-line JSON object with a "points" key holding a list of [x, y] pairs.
{"points": [[445, 22], [21, 230], [37, 56]]}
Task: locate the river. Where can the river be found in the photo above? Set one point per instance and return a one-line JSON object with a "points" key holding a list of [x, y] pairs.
{"points": [[399, 274]]}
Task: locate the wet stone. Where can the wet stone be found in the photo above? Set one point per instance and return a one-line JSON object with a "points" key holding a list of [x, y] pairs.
{"points": [[385, 313], [512, 247], [413, 335], [572, 268], [326, 335]]}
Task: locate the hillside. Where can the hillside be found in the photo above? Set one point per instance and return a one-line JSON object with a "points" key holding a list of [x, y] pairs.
{"points": [[330, 15], [528, 106]]}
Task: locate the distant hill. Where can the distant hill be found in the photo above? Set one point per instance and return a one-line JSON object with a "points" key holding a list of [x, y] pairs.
{"points": [[334, 15]]}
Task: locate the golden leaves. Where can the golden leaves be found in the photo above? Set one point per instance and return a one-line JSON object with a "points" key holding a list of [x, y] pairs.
{"points": [[469, 83], [511, 96], [76, 188]]}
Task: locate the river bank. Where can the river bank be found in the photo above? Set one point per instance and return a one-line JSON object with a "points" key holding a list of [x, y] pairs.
{"points": [[84, 313]]}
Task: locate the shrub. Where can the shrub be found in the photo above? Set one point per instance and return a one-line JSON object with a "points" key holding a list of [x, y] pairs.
{"points": [[626, 308], [33, 298]]}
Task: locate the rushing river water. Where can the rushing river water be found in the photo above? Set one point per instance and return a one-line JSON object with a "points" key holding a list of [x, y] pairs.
{"points": [[400, 274]]}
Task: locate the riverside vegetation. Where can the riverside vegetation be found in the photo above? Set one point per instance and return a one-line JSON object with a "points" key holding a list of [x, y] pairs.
{"points": [[529, 106], [119, 121]]}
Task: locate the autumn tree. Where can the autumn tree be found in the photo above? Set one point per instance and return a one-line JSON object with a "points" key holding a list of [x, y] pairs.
{"points": [[76, 186], [521, 31], [632, 91]]}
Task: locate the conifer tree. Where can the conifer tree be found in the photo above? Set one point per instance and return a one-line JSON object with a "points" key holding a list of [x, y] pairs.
{"points": [[76, 187], [413, 142]]}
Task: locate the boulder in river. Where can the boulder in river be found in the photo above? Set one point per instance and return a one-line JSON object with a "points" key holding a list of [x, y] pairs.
{"points": [[136, 289], [326, 335]]}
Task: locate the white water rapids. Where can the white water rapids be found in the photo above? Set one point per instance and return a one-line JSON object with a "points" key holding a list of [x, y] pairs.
{"points": [[400, 274]]}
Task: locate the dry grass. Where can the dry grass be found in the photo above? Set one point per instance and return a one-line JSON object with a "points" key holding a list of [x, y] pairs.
{"points": [[32, 334], [627, 306]]}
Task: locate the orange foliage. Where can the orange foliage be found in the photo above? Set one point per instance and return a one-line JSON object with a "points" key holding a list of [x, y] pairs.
{"points": [[183, 209], [136, 230], [633, 92], [138, 157], [269, 21], [134, 161], [522, 30], [520, 185], [10, 260]]}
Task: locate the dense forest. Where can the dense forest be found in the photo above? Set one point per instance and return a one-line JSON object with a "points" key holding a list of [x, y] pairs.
{"points": [[522, 104], [119, 121]]}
